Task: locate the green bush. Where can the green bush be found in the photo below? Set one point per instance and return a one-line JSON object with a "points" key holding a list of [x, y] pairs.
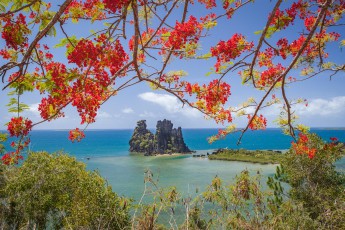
{"points": [[56, 191]]}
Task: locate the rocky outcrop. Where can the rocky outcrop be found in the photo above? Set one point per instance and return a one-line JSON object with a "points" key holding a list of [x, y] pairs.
{"points": [[169, 139], [166, 140], [142, 140]]}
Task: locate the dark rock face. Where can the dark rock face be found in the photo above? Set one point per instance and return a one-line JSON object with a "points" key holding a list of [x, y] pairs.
{"points": [[142, 140], [166, 140], [169, 140]]}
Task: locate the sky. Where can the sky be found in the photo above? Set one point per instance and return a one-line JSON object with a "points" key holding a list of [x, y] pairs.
{"points": [[326, 98]]}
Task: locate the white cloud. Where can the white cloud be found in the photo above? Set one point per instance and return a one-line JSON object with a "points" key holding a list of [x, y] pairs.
{"points": [[102, 114], [272, 110], [322, 107], [33, 109], [147, 114], [170, 103], [128, 110]]}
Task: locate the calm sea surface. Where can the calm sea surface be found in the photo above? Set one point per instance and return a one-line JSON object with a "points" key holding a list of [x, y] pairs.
{"points": [[107, 151]]}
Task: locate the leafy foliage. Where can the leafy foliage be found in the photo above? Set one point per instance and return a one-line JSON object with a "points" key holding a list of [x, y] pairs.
{"points": [[55, 191]]}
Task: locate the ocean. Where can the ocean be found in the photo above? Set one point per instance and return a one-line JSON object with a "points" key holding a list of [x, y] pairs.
{"points": [[107, 152]]}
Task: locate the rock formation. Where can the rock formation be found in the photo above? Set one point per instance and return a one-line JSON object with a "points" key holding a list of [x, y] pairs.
{"points": [[142, 140], [166, 140]]}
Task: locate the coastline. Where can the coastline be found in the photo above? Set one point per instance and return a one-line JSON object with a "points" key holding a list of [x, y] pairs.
{"points": [[249, 156], [262, 157]]}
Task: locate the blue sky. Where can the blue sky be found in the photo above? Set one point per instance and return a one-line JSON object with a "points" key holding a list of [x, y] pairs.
{"points": [[326, 98]]}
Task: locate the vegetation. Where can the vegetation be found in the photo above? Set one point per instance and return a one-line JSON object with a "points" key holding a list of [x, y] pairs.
{"points": [[55, 191], [252, 156]]}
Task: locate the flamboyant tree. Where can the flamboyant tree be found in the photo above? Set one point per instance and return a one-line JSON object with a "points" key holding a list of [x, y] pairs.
{"points": [[136, 41]]}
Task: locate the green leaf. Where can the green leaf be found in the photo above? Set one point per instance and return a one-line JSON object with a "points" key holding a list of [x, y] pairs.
{"points": [[36, 6], [13, 110], [5, 2], [16, 6], [11, 93], [52, 32], [271, 30], [65, 41], [2, 8], [209, 73], [24, 106], [342, 42], [13, 101], [3, 137]]}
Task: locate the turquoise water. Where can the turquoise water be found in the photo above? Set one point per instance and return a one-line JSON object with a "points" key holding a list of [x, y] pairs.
{"points": [[107, 151]]}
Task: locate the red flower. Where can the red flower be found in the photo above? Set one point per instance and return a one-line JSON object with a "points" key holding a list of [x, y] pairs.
{"points": [[334, 139], [76, 135], [11, 158], [258, 122], [18, 126], [15, 32], [231, 49]]}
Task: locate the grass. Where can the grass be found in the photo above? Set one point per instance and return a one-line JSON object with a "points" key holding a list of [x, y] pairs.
{"points": [[252, 156]]}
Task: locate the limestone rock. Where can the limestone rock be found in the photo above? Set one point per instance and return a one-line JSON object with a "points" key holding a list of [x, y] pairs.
{"points": [[169, 140], [142, 140], [166, 140]]}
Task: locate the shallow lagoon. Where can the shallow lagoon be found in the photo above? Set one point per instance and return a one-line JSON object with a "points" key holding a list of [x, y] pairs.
{"points": [[189, 174]]}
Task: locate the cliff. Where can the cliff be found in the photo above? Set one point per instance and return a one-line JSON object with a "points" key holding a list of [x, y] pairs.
{"points": [[142, 140], [166, 140]]}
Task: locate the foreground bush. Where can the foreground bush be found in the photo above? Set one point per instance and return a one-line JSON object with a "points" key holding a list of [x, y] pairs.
{"points": [[56, 191], [316, 195]]}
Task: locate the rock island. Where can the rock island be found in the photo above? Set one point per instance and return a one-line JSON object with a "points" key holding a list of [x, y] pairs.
{"points": [[167, 139]]}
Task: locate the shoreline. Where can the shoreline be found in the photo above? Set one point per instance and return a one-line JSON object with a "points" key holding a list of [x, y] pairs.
{"points": [[263, 157], [249, 156]]}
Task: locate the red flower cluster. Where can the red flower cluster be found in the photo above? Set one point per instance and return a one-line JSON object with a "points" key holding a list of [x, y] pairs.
{"points": [[283, 19], [230, 10], [265, 58], [95, 59], [181, 36], [87, 97], [334, 139], [11, 158], [301, 147], [211, 97], [5, 54], [269, 76], [76, 135], [231, 49], [98, 56], [309, 22], [258, 122], [85, 9], [59, 90], [115, 5], [208, 3], [15, 33], [183, 33], [18, 126]]}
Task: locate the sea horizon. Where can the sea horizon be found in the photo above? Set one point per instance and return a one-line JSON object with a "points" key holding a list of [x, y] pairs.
{"points": [[239, 128]]}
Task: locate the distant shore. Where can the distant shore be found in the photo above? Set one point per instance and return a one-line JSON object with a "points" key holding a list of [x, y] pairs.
{"points": [[241, 155], [250, 156]]}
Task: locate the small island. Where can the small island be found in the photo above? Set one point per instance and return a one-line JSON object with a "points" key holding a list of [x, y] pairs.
{"points": [[167, 140], [252, 156]]}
